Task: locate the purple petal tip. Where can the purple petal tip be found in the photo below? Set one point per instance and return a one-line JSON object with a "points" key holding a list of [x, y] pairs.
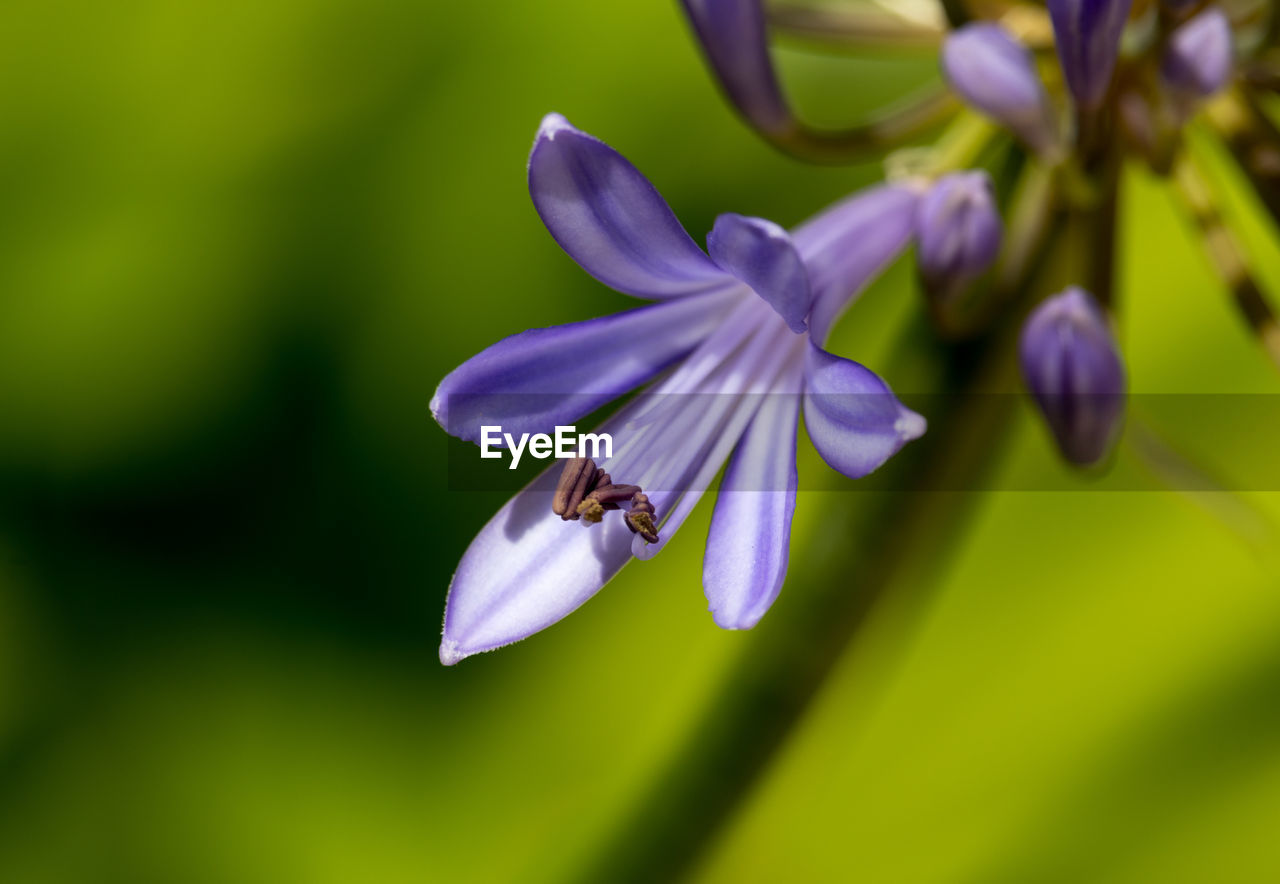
{"points": [[450, 653], [551, 124], [910, 425]]}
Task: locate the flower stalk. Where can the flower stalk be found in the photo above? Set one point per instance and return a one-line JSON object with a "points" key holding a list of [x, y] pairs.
{"points": [[1225, 253], [901, 543]]}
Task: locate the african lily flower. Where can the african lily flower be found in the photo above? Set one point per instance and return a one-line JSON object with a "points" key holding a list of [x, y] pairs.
{"points": [[1125, 80], [738, 332]]}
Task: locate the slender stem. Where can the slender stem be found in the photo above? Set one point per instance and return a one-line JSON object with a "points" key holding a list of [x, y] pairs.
{"points": [[1099, 226], [1253, 140], [1225, 253], [957, 12], [905, 541], [1263, 75], [860, 27], [1030, 211], [891, 128], [911, 536]]}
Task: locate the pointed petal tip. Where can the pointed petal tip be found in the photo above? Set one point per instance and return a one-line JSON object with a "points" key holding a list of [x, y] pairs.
{"points": [[761, 254], [552, 124], [736, 621], [438, 407], [450, 652], [910, 425]]}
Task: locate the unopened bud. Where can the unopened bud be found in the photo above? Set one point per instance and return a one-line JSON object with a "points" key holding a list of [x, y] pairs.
{"points": [[1198, 59], [1072, 367], [1087, 34], [958, 232]]}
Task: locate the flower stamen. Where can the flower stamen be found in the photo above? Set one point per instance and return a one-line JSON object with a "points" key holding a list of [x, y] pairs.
{"points": [[640, 518], [585, 491]]}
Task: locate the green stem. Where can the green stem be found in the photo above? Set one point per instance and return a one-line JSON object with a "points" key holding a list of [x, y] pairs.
{"points": [[1254, 142], [1225, 252], [886, 130], [847, 27], [791, 657], [904, 541]]}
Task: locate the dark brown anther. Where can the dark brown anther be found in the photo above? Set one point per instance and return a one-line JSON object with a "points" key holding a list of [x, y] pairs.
{"points": [[640, 518], [577, 478], [585, 491]]}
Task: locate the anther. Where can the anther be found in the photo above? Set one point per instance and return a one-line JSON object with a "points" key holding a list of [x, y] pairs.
{"points": [[577, 478], [591, 510], [585, 491], [640, 518]]}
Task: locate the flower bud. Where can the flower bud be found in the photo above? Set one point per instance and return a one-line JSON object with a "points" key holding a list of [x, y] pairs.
{"points": [[1197, 61], [958, 232], [1072, 367], [1087, 34], [995, 73]]}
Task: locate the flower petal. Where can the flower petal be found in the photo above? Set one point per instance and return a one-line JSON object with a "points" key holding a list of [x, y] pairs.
{"points": [[530, 382], [750, 536], [525, 570], [610, 219], [847, 245], [733, 36], [709, 424], [761, 254], [852, 416]]}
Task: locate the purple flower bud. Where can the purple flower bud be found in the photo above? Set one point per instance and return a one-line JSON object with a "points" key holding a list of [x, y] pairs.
{"points": [[996, 74], [1197, 61], [1072, 366], [958, 231], [1088, 36]]}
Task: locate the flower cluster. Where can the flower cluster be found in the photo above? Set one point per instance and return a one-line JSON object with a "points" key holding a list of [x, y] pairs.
{"points": [[732, 351]]}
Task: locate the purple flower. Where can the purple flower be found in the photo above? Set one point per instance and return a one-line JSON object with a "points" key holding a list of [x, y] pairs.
{"points": [[1072, 366], [1087, 33], [959, 231], [733, 36], [1197, 62], [738, 334], [995, 73]]}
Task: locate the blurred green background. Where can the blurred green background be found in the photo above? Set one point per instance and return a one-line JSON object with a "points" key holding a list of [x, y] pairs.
{"points": [[240, 243]]}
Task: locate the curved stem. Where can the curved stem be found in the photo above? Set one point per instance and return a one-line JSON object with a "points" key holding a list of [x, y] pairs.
{"points": [[1253, 140], [891, 128], [1225, 253], [861, 27]]}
